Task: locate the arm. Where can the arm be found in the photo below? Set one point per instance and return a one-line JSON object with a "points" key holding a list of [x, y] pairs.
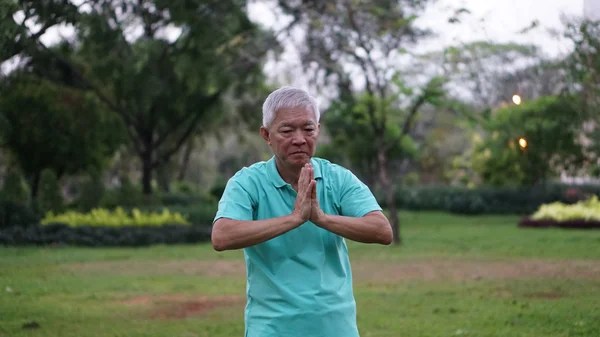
{"points": [[228, 234], [234, 226], [373, 227], [360, 219]]}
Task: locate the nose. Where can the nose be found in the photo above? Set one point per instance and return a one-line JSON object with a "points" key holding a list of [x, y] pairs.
{"points": [[298, 139]]}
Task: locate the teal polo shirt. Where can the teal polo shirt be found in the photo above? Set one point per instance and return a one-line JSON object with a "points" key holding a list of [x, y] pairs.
{"points": [[299, 284]]}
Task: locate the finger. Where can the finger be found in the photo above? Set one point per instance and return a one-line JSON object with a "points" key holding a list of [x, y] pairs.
{"points": [[314, 190], [302, 177]]}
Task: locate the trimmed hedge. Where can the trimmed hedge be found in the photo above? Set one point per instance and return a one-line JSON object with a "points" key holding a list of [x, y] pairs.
{"points": [[96, 236], [488, 200]]}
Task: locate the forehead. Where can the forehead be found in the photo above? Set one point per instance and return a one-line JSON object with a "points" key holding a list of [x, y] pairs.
{"points": [[294, 116]]}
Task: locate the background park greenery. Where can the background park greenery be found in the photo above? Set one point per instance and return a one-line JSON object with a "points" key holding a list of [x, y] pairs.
{"points": [[124, 133]]}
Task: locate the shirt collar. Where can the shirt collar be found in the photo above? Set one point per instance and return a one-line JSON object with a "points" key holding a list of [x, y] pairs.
{"points": [[276, 178]]}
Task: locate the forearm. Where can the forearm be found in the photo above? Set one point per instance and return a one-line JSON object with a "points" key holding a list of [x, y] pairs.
{"points": [[228, 234], [372, 228]]}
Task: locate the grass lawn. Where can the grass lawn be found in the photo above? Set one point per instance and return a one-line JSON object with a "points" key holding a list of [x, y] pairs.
{"points": [[453, 276]]}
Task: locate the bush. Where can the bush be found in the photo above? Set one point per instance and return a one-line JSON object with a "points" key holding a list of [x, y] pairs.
{"points": [[91, 193], [16, 214], [50, 198], [103, 236], [583, 214], [201, 214], [116, 218], [583, 210], [15, 189], [488, 200]]}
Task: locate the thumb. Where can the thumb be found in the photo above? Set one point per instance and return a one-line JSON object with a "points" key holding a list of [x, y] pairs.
{"points": [[313, 189]]}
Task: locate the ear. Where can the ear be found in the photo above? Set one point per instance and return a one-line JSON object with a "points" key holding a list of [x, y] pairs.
{"points": [[265, 134]]}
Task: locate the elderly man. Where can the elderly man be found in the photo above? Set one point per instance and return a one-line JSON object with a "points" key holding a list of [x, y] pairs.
{"points": [[291, 214]]}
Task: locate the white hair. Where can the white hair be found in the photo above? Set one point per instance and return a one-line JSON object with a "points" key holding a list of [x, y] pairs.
{"points": [[286, 98]]}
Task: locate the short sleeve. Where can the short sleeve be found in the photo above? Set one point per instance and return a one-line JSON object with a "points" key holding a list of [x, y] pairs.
{"points": [[236, 202], [356, 199]]}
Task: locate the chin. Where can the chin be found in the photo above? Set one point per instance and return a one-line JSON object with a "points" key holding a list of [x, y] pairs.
{"points": [[298, 160]]}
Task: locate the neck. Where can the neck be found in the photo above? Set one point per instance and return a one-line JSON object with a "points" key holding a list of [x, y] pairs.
{"points": [[289, 174]]}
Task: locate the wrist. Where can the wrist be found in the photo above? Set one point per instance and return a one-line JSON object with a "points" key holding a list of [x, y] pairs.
{"points": [[322, 220], [295, 219]]}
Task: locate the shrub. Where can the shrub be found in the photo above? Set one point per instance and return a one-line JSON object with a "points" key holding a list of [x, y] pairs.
{"points": [[116, 218], [91, 193], [583, 214], [488, 199], [588, 210], [16, 214], [14, 188], [201, 214], [103, 236], [50, 198]]}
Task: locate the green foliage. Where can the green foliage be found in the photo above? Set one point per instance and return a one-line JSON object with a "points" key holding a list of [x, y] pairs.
{"points": [[583, 73], [487, 199], [15, 188], [359, 134], [50, 198], [198, 214], [128, 194], [164, 89], [118, 217], [218, 188], [15, 38], [550, 126], [588, 210], [91, 193], [16, 214], [104, 236], [55, 127], [493, 72]]}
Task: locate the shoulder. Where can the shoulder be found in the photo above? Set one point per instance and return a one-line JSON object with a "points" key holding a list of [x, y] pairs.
{"points": [[250, 177], [254, 171], [331, 171]]}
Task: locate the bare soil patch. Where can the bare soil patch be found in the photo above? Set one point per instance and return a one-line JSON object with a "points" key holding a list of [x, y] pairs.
{"points": [[369, 271], [182, 306], [545, 295], [212, 268], [459, 270]]}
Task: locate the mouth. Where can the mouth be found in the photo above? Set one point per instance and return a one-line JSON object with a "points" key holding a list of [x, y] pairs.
{"points": [[297, 152]]}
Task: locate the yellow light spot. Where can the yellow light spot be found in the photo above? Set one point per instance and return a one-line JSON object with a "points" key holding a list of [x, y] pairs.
{"points": [[522, 143], [517, 99]]}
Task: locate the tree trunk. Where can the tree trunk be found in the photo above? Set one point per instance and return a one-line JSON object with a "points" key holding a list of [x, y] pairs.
{"points": [[34, 185], [163, 178], [390, 197], [147, 173], [187, 154]]}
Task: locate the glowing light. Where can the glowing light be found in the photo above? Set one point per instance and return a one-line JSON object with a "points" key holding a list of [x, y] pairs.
{"points": [[516, 99], [522, 143]]}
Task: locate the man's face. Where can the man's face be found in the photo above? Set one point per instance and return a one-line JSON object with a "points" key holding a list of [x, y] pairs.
{"points": [[293, 135]]}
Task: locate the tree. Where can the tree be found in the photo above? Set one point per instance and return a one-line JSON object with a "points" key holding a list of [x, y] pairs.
{"points": [[529, 143], [55, 127], [357, 45], [584, 78], [18, 37], [488, 74], [167, 82], [50, 198]]}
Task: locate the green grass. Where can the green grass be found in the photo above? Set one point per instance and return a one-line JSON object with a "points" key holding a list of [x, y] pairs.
{"points": [[84, 291]]}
